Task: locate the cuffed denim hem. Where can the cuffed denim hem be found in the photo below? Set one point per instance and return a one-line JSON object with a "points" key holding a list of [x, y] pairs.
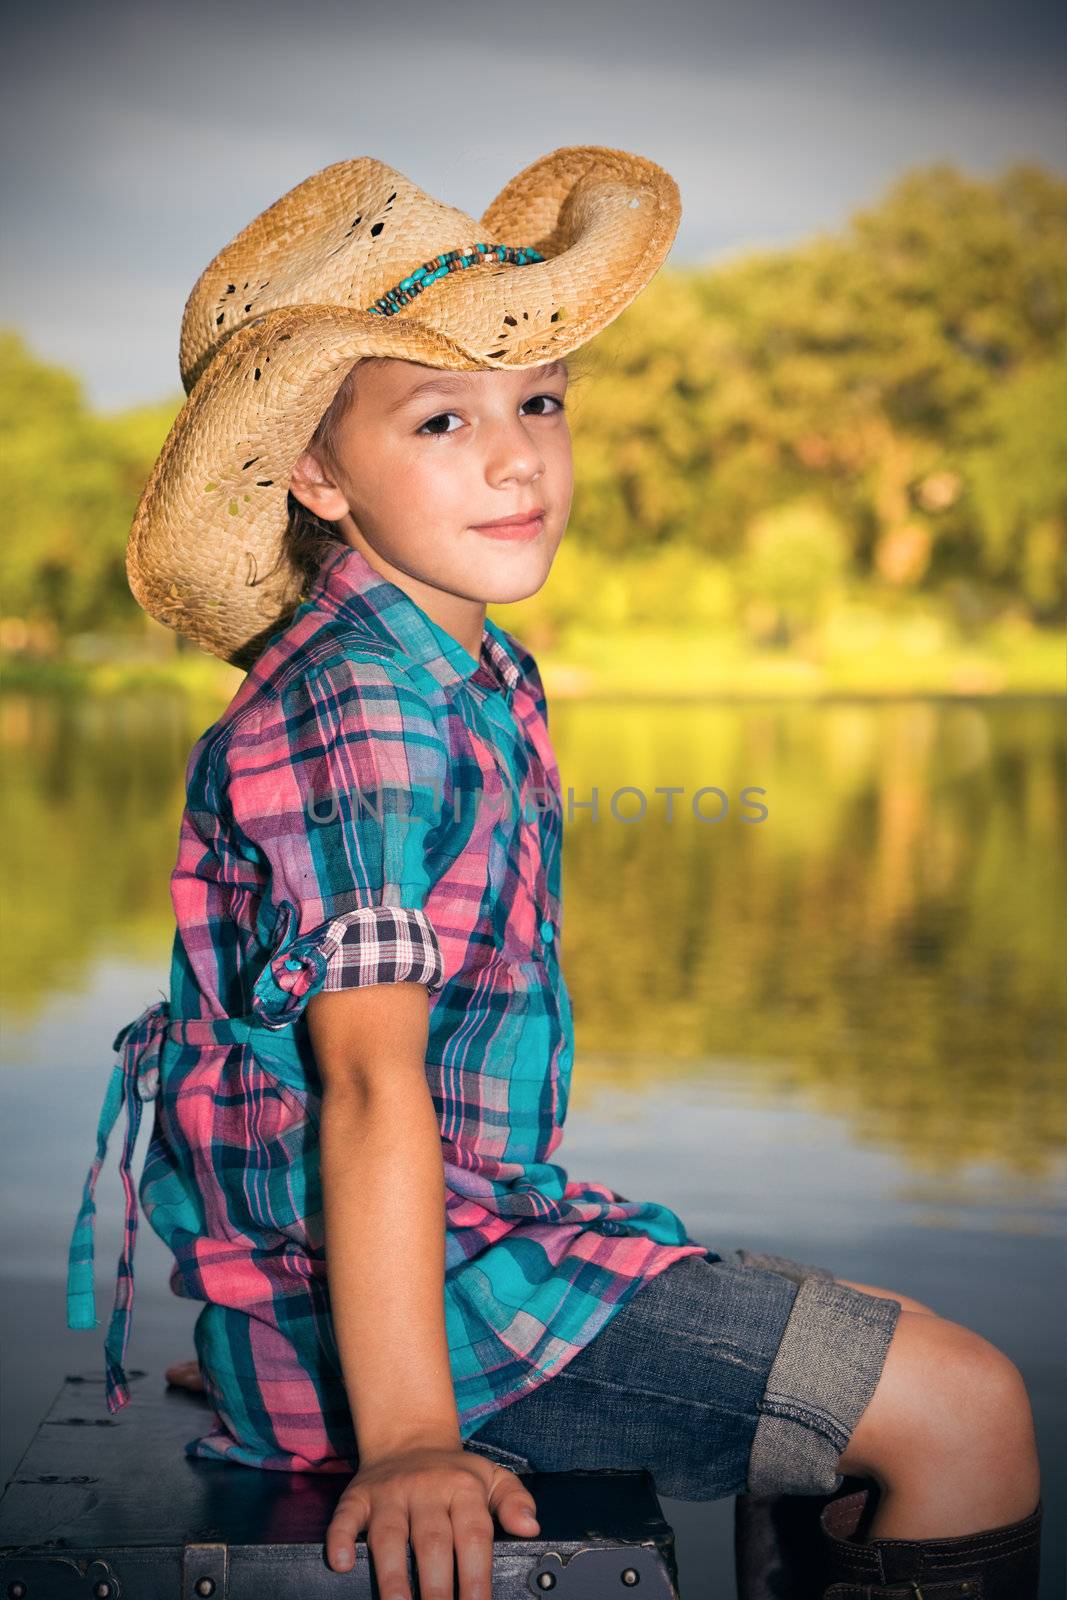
{"points": [[820, 1383]]}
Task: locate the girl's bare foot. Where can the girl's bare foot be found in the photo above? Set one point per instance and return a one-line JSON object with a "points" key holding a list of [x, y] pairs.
{"points": [[186, 1375]]}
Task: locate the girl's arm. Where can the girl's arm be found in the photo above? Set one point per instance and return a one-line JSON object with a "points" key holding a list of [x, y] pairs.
{"points": [[384, 1210], [384, 1214]]}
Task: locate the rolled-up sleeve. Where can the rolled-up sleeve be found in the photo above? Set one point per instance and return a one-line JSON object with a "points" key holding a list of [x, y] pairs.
{"points": [[339, 790]]}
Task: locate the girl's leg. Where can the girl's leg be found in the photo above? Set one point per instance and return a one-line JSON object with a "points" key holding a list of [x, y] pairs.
{"points": [[186, 1375], [948, 1434], [937, 1460], [996, 1402]]}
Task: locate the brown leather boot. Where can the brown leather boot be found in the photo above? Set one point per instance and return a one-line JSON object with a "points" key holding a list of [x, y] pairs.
{"points": [[995, 1564], [778, 1543]]}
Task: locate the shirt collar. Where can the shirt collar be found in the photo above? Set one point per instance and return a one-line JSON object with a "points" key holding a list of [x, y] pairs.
{"points": [[348, 587]]}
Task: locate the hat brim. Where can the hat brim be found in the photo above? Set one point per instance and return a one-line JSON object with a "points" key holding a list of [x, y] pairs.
{"points": [[205, 553]]}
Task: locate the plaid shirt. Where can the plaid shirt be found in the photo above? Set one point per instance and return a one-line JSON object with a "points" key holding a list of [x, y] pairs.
{"points": [[374, 806]]}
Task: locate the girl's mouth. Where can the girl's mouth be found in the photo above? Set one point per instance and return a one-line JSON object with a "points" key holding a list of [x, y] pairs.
{"points": [[511, 528]]}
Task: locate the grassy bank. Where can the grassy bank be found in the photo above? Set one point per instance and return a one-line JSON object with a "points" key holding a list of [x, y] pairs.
{"points": [[861, 652]]}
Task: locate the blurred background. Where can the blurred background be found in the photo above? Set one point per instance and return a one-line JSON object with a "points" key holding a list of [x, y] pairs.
{"points": [[816, 550]]}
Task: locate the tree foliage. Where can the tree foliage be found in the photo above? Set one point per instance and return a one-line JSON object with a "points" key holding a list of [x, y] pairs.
{"points": [[908, 373], [72, 479]]}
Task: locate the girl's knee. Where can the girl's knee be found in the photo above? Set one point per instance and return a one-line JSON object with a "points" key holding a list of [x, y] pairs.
{"points": [[981, 1380], [944, 1392]]}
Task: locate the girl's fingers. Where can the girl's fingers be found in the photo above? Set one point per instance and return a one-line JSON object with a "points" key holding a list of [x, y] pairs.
{"points": [[473, 1531], [349, 1517], [516, 1511], [387, 1540], [450, 1536], [431, 1542]]}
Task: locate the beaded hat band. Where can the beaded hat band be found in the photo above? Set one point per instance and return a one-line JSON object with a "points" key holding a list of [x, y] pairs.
{"points": [[358, 261], [430, 271]]}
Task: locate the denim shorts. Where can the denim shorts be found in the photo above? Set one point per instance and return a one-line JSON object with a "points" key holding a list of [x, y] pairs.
{"points": [[742, 1375]]}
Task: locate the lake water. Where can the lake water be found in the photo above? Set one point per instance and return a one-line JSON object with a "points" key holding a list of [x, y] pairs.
{"points": [[835, 1033]]}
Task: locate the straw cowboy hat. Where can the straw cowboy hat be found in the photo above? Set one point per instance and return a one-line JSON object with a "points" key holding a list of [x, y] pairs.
{"points": [[358, 261]]}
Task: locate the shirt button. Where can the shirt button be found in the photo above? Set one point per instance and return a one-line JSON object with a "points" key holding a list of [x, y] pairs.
{"points": [[291, 965], [548, 932]]}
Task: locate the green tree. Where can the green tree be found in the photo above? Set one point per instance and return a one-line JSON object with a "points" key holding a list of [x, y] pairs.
{"points": [[1018, 486], [72, 481]]}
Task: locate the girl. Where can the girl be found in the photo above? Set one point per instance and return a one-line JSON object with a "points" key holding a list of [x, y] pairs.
{"points": [[363, 1067]]}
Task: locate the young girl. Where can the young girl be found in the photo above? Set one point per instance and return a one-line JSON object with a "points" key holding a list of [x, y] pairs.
{"points": [[363, 1067]]}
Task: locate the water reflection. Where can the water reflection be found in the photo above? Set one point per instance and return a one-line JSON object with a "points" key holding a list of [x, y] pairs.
{"points": [[887, 942]]}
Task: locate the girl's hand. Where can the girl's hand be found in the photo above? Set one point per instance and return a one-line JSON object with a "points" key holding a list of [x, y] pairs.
{"points": [[439, 1499]]}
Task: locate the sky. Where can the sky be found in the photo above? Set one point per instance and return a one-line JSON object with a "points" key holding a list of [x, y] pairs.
{"points": [[140, 138]]}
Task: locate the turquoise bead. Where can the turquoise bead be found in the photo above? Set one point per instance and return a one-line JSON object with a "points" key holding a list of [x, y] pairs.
{"points": [[548, 932], [406, 290]]}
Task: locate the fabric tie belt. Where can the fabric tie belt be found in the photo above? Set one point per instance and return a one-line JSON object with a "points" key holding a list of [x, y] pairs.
{"points": [[134, 1079]]}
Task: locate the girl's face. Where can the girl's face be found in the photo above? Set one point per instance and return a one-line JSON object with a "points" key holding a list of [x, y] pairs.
{"points": [[425, 456]]}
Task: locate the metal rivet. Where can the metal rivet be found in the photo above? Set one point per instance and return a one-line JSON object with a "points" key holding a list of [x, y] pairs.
{"points": [[205, 1586], [630, 1576], [17, 1590], [102, 1590], [546, 1580]]}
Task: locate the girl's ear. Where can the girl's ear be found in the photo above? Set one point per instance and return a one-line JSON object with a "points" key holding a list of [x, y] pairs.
{"points": [[312, 486]]}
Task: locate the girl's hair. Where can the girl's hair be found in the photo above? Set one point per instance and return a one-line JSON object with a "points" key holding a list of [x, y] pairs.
{"points": [[309, 539]]}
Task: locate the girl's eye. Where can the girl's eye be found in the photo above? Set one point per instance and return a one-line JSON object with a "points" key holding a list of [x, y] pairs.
{"points": [[555, 399], [443, 416]]}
